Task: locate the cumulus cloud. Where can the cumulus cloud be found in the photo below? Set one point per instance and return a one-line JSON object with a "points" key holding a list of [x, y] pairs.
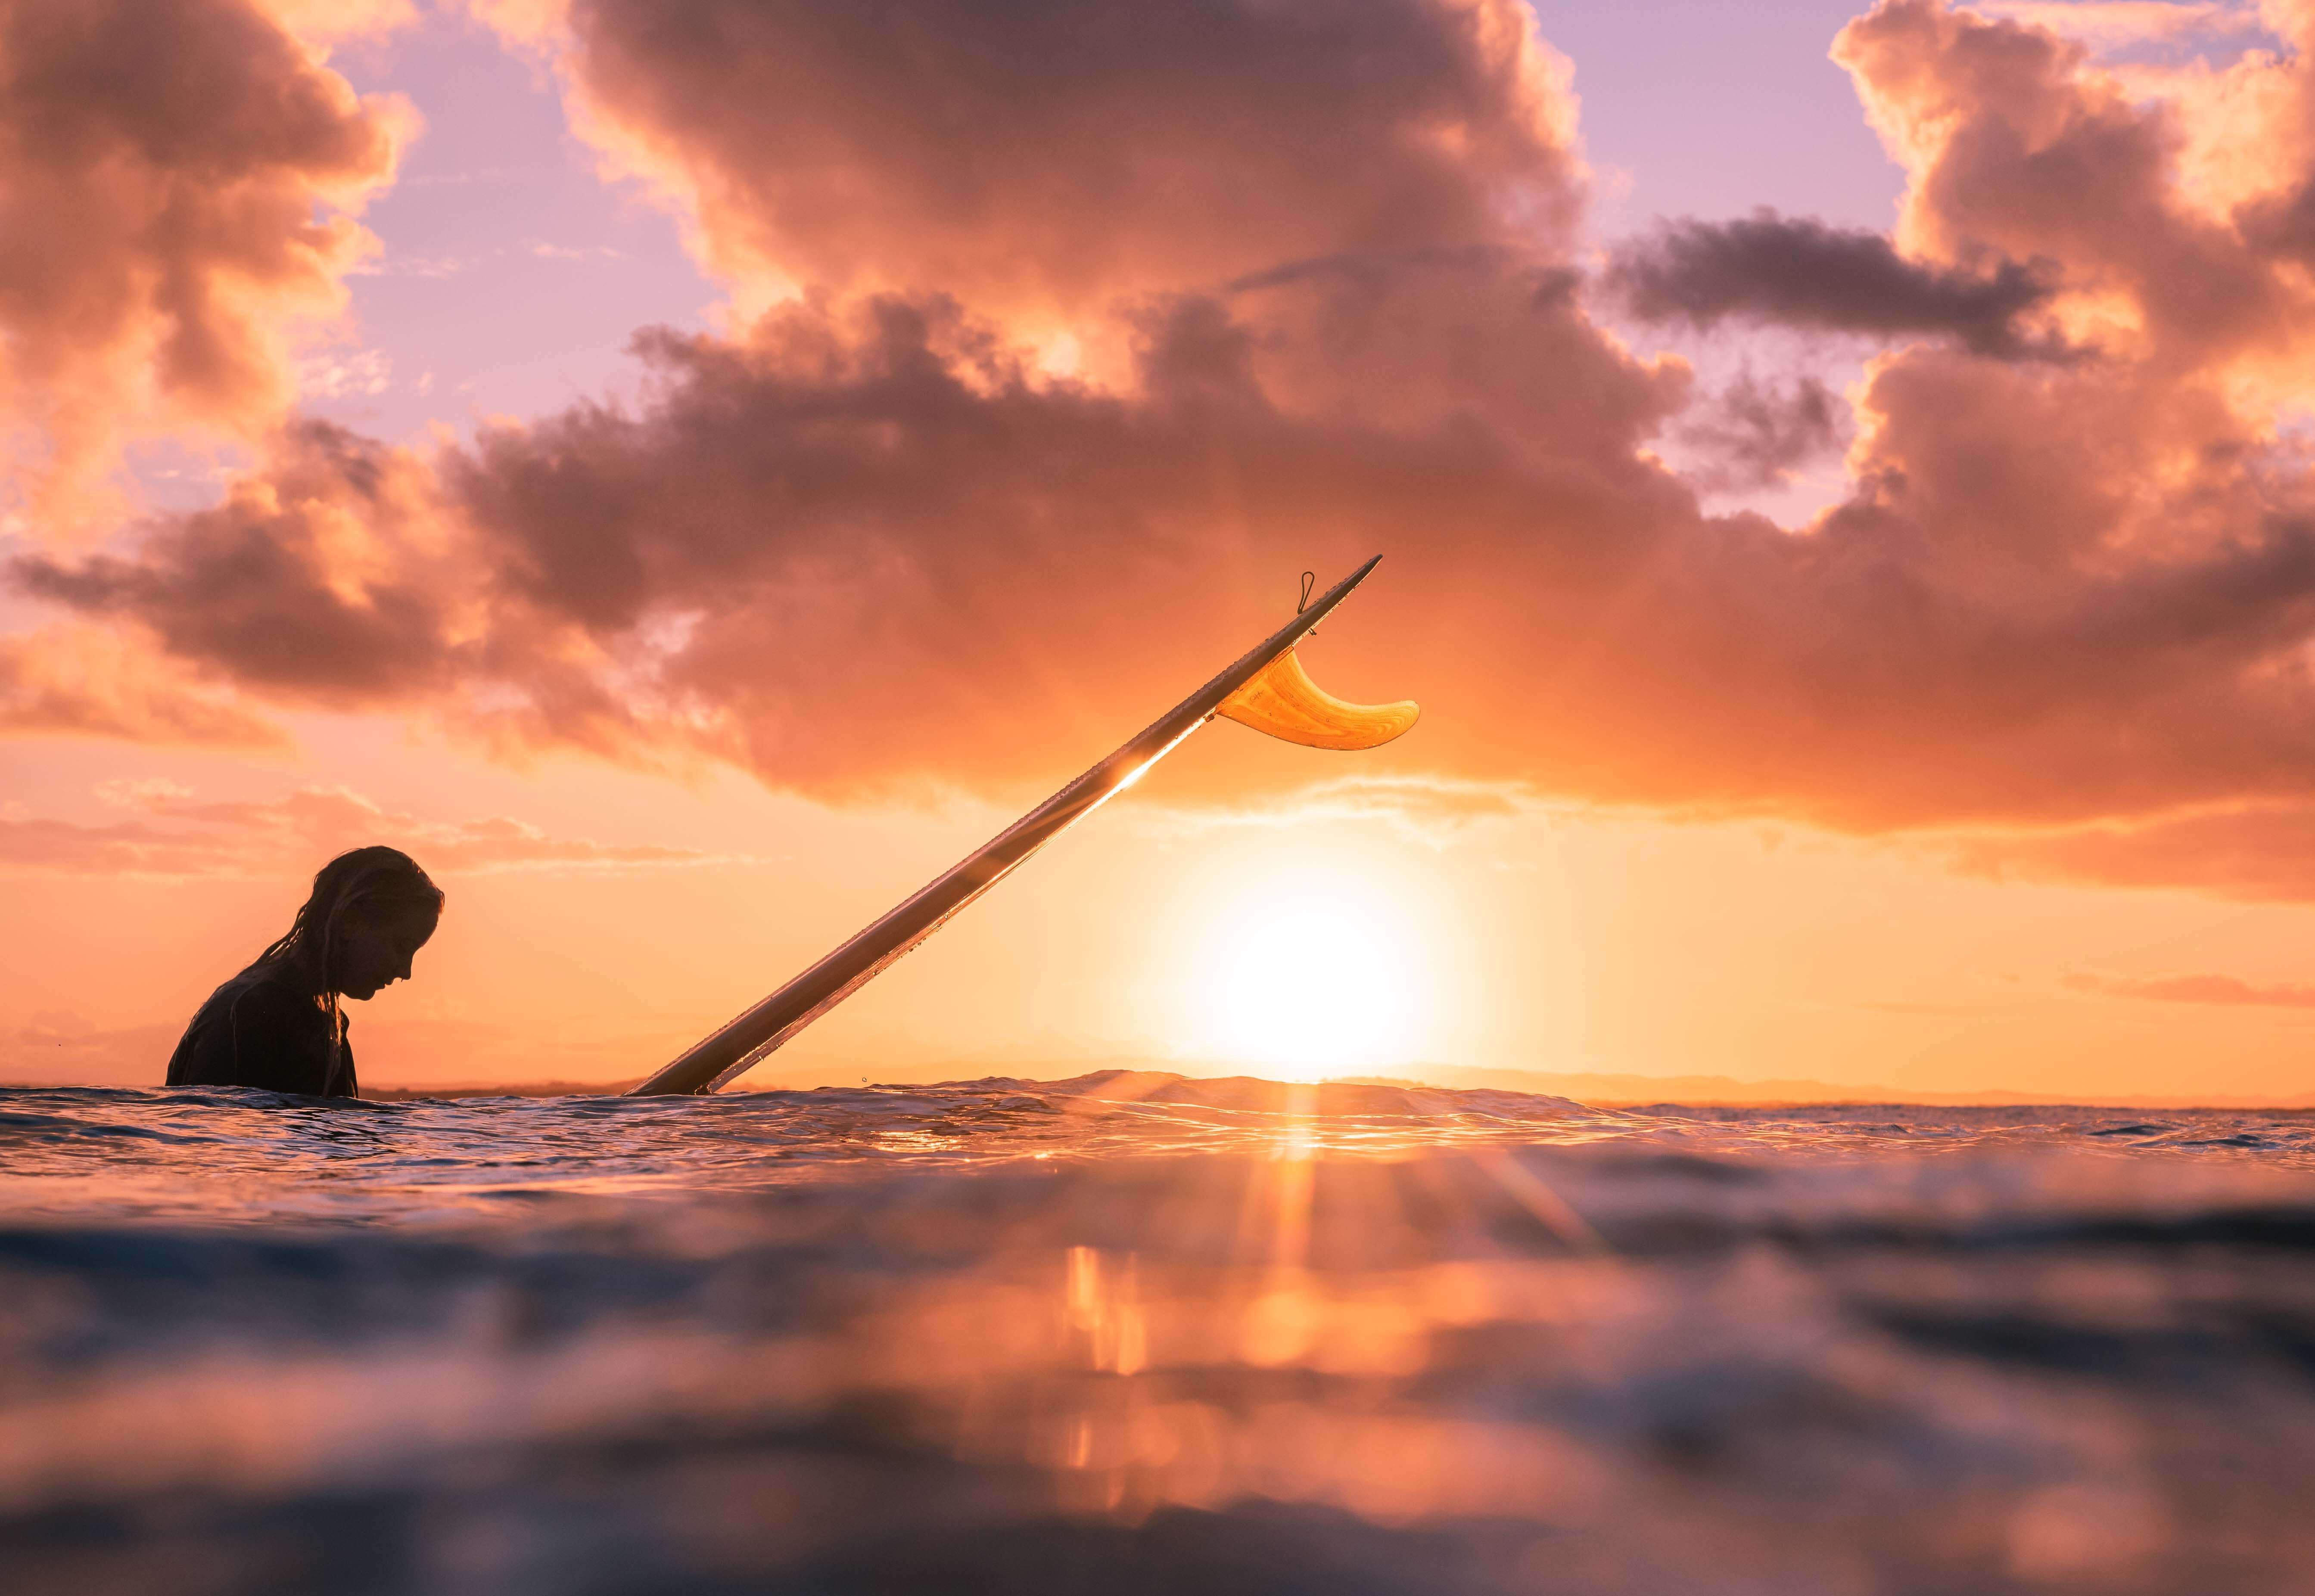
{"points": [[174, 180], [1048, 155], [2018, 144], [876, 549], [176, 833], [857, 555], [872, 542], [309, 582]]}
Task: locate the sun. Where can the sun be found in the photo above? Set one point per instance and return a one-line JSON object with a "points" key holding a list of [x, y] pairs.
{"points": [[1321, 973]]}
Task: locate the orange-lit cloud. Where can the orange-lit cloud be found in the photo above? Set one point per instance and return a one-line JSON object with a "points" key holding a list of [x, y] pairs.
{"points": [[93, 682], [173, 180], [309, 582], [324, 21], [2198, 989], [859, 551], [873, 543], [2261, 851], [1427, 809], [2124, 22], [173, 833]]}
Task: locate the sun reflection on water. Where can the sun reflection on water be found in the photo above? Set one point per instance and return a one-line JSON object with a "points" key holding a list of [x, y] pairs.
{"points": [[995, 1319]]}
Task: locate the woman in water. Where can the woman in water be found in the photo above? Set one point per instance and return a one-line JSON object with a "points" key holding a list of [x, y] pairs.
{"points": [[277, 1025]]}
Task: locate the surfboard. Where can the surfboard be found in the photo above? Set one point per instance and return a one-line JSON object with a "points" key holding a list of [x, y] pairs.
{"points": [[1265, 689]]}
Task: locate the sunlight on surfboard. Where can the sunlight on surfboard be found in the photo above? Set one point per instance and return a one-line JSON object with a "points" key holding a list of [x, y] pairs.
{"points": [[1265, 689]]}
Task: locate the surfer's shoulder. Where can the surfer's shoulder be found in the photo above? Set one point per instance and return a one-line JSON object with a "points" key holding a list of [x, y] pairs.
{"points": [[264, 993], [255, 1030], [267, 1011], [249, 993]]}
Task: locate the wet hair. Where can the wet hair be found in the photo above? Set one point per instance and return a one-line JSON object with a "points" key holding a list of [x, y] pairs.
{"points": [[377, 880]]}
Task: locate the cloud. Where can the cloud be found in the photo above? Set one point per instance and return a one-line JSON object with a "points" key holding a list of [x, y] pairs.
{"points": [[175, 177], [2017, 145], [1757, 434], [345, 373], [1799, 272], [310, 582], [179, 836], [1049, 155], [323, 22], [1434, 811], [2121, 22], [2263, 852], [868, 550], [869, 544], [2225, 990], [90, 681], [862, 553]]}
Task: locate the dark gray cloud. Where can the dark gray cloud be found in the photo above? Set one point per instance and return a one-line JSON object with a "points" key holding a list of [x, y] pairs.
{"points": [[1796, 271], [1755, 434]]}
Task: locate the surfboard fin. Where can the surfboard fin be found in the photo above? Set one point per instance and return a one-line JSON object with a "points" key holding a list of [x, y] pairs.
{"points": [[1285, 703]]}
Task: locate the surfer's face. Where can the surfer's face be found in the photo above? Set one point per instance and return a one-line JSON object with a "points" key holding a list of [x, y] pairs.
{"points": [[372, 954]]}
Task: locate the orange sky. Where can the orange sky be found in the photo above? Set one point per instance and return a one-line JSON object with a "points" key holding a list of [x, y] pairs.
{"points": [[1875, 655]]}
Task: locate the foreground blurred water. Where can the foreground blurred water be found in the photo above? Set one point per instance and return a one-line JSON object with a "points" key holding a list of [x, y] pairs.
{"points": [[1135, 1333]]}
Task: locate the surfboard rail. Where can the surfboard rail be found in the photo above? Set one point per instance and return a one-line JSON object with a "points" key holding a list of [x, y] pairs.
{"points": [[736, 1047]]}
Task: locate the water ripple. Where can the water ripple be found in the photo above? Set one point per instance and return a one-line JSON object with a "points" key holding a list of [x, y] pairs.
{"points": [[1132, 1333]]}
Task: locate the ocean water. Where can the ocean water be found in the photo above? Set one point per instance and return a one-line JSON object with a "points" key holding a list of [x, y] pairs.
{"points": [[1136, 1334]]}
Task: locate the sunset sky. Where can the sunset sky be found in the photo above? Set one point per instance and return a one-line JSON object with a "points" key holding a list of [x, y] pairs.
{"points": [[689, 470]]}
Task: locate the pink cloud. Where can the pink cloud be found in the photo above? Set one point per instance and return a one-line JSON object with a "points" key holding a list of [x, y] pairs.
{"points": [[175, 180]]}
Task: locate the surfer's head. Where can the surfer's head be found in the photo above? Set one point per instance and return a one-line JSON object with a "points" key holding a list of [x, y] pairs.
{"points": [[371, 912]]}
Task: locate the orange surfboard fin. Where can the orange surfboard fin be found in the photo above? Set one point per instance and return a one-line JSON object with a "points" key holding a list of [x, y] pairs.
{"points": [[1285, 703]]}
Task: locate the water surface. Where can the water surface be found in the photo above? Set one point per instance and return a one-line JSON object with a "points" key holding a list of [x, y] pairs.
{"points": [[1128, 1333]]}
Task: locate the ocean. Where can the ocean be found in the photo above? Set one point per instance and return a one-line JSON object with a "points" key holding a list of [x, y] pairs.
{"points": [[1130, 1334]]}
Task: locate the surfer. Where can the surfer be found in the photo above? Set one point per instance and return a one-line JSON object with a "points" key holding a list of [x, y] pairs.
{"points": [[277, 1024]]}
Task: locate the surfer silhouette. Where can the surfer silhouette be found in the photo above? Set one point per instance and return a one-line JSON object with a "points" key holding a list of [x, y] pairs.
{"points": [[278, 1023]]}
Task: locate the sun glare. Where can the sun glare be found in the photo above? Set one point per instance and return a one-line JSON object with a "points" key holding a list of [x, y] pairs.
{"points": [[1314, 977]]}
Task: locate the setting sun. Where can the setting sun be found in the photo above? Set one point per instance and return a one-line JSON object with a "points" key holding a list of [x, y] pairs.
{"points": [[1320, 974]]}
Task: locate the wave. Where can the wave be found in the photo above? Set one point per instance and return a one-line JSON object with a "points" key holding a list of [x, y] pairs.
{"points": [[1134, 1332]]}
